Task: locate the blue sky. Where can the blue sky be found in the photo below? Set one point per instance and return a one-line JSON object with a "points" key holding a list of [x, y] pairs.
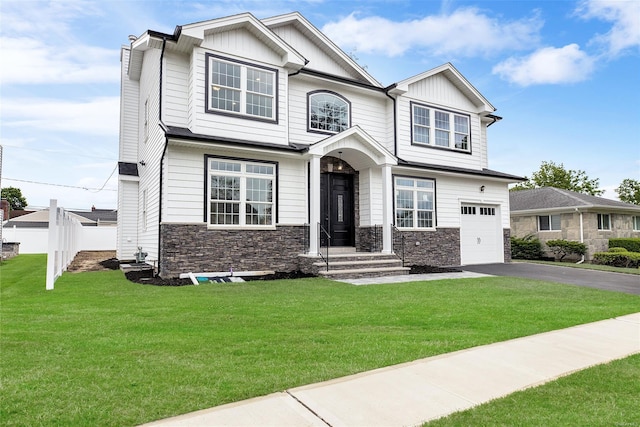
{"points": [[564, 75]]}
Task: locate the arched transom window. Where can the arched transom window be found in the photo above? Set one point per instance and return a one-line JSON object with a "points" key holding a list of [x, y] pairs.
{"points": [[328, 112]]}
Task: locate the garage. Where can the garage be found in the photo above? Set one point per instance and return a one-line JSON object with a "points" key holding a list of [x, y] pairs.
{"points": [[480, 234]]}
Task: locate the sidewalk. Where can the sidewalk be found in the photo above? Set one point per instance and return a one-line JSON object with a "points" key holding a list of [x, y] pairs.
{"points": [[415, 392]]}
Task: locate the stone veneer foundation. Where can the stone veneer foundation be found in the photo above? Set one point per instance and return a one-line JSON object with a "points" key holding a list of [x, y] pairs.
{"points": [[195, 248]]}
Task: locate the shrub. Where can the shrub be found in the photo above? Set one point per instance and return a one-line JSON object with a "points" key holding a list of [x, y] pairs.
{"points": [[617, 250], [617, 259], [562, 248], [632, 244], [528, 247]]}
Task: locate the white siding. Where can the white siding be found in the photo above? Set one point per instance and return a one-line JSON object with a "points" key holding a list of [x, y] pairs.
{"points": [[150, 151], [129, 94], [231, 127], [176, 89], [127, 238], [185, 184], [369, 109], [438, 89], [242, 44], [370, 197], [429, 155], [318, 59]]}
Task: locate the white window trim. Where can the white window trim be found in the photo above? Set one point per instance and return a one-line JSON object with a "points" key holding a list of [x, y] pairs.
{"points": [[599, 221], [550, 223], [635, 223], [243, 89], [243, 175], [431, 127], [415, 209]]}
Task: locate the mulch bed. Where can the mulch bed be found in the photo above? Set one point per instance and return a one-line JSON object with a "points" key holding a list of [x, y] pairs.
{"points": [[146, 277]]}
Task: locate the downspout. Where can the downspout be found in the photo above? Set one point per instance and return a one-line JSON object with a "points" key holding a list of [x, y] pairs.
{"points": [[581, 235], [164, 152], [395, 119]]}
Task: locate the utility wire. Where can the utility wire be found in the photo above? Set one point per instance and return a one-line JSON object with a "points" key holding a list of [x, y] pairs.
{"points": [[62, 185]]}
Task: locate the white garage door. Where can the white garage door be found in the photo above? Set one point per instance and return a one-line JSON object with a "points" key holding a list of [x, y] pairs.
{"points": [[480, 235]]}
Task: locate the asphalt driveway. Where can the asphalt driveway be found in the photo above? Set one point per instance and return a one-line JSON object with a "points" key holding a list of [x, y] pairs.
{"points": [[628, 283]]}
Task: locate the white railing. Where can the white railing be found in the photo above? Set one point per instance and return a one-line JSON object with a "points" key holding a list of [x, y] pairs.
{"points": [[64, 239]]}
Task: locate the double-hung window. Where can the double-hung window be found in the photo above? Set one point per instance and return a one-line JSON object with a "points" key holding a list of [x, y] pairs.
{"points": [[604, 222], [239, 88], [415, 203], [328, 112], [636, 223], [241, 193], [440, 128], [549, 223]]}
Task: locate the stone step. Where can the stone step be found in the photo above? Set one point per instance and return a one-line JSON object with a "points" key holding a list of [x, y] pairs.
{"points": [[364, 272], [359, 256], [357, 264]]}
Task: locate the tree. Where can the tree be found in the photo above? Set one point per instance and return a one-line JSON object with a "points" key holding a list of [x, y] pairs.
{"points": [[552, 175], [14, 197], [629, 191]]}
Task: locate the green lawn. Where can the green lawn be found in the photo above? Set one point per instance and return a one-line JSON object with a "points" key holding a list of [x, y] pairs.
{"points": [[100, 350], [606, 395]]}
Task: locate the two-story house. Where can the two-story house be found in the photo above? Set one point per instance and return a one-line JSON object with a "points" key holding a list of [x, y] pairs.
{"points": [[244, 143]]}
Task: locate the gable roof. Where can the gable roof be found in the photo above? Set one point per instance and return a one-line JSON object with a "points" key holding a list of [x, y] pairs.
{"points": [[323, 42], [556, 199], [456, 78]]}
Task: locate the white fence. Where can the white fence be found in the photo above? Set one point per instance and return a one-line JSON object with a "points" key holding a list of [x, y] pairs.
{"points": [[36, 240], [64, 242]]}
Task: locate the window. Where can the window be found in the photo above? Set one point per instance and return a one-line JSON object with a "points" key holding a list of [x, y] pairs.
{"points": [[636, 223], [549, 223], [468, 210], [239, 88], [448, 129], [328, 112], [241, 193], [415, 200], [488, 211], [604, 222]]}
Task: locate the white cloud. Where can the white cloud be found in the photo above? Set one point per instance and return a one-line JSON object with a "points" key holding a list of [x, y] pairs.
{"points": [[548, 65], [38, 45], [465, 32], [30, 61], [625, 17], [98, 116]]}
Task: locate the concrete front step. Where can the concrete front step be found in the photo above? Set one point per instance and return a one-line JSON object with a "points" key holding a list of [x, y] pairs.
{"points": [[357, 273], [373, 263]]}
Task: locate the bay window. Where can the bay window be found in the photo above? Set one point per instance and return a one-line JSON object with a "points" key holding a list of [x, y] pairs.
{"points": [[241, 193], [415, 203], [440, 128]]}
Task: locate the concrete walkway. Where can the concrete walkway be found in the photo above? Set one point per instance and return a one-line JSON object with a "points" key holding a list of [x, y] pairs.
{"points": [[412, 393]]}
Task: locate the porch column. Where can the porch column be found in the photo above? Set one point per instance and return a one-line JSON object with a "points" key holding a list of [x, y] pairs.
{"points": [[387, 210], [314, 204]]}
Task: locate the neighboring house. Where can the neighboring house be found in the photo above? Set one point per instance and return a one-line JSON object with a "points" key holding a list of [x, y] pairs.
{"points": [[552, 213], [102, 217], [239, 137]]}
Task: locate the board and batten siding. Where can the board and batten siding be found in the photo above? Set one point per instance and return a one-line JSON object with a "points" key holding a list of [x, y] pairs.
{"points": [[369, 110], [185, 177], [129, 96], [226, 126], [318, 59]]}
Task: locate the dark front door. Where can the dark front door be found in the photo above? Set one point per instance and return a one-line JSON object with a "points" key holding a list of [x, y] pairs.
{"points": [[336, 208]]}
